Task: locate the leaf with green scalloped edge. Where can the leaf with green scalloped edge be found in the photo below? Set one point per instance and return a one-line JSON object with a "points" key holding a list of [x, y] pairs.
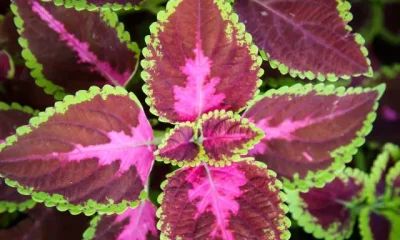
{"points": [[42, 223], [91, 153], [376, 186], [327, 212], [13, 116], [218, 138], [133, 224], [91, 48], [199, 59], [96, 5], [240, 201], [379, 224], [393, 184], [309, 39], [311, 131]]}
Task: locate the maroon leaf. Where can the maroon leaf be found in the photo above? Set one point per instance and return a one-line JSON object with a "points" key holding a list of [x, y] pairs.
{"points": [[92, 152], [306, 38], [312, 131], [198, 59], [47, 224], [219, 138], [7, 69], [379, 225], [133, 224], [91, 48], [241, 201], [327, 212], [11, 200]]}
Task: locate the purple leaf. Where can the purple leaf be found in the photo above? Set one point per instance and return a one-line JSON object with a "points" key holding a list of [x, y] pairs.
{"points": [[133, 224], [92, 48], [7, 69], [379, 225], [219, 138], [312, 131], [47, 224], [241, 201], [11, 117], [91, 153], [199, 59], [306, 38], [327, 212], [378, 176], [96, 4], [9, 36]]}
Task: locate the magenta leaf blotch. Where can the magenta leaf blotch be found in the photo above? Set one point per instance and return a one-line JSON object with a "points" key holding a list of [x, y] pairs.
{"points": [[198, 59], [307, 39], [311, 131], [327, 212], [218, 138], [133, 224], [91, 153], [240, 201], [92, 48]]}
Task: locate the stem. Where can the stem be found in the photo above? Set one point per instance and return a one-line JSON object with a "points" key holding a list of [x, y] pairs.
{"points": [[359, 161]]}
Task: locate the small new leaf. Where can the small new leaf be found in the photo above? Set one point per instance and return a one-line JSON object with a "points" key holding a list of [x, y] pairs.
{"points": [[241, 201], [218, 138]]}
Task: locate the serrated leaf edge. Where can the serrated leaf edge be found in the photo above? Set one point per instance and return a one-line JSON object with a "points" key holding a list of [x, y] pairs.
{"points": [[310, 224], [80, 5], [344, 12], [56, 200], [284, 222], [341, 155], [227, 14]]}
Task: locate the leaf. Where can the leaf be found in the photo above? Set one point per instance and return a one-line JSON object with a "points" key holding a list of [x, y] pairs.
{"points": [[377, 181], [9, 36], [46, 224], [93, 5], [308, 39], [7, 69], [13, 116], [133, 224], [379, 225], [219, 138], [312, 131], [91, 153], [92, 48], [241, 201], [198, 59], [393, 182], [327, 212]]}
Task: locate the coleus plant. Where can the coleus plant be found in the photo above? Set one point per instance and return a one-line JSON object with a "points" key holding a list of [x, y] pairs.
{"points": [[93, 152], [330, 212]]}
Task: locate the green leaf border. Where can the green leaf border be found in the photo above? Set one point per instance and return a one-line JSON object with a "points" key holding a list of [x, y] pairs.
{"points": [[309, 223], [389, 151], [344, 12], [80, 5], [227, 14], [365, 230], [56, 200], [341, 155], [284, 222], [109, 17], [203, 156]]}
